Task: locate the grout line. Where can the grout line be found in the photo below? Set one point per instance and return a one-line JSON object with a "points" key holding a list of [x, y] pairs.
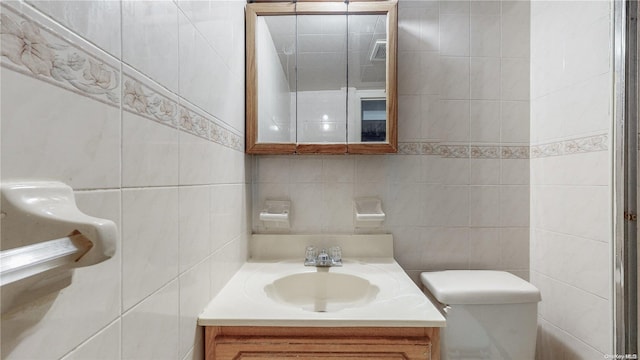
{"points": [[121, 334]]}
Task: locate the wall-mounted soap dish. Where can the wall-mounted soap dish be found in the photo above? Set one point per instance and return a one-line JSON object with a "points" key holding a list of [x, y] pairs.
{"points": [[275, 214], [367, 212]]}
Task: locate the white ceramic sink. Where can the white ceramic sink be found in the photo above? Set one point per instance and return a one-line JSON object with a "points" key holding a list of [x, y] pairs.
{"points": [[274, 288], [322, 291]]}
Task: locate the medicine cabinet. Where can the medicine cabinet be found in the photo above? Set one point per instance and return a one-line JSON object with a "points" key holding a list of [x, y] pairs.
{"points": [[321, 77]]}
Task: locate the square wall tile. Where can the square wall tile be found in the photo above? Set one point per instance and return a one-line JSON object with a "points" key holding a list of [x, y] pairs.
{"points": [[484, 121], [484, 206], [150, 152], [485, 171], [150, 39], [515, 79], [455, 120], [40, 126], [149, 241], [204, 88], [445, 248], [514, 206], [408, 246], [337, 206], [485, 33], [515, 122], [484, 245], [105, 345], [404, 206], [195, 165], [446, 205], [454, 34], [515, 23], [307, 206], [307, 169], [150, 330], [514, 172], [194, 297], [454, 7], [455, 78], [195, 235], [338, 169], [485, 7], [485, 78], [226, 214]]}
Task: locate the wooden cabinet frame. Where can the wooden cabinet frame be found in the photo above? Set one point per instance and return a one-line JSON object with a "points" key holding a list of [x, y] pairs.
{"points": [[255, 342], [253, 10]]}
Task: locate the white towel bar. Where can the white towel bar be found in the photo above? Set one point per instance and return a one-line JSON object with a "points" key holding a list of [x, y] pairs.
{"points": [[22, 262]]}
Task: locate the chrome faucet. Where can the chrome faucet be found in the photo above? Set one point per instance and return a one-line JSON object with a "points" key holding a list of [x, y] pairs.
{"points": [[324, 258]]}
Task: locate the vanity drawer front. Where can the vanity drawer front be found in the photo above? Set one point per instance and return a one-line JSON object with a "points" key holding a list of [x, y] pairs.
{"points": [[308, 348], [283, 344]]}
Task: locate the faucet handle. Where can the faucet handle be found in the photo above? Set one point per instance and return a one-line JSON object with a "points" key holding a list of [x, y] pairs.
{"points": [[310, 255], [336, 255]]}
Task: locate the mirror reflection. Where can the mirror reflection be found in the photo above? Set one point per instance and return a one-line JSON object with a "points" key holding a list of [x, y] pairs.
{"points": [[322, 78], [276, 78], [367, 78]]}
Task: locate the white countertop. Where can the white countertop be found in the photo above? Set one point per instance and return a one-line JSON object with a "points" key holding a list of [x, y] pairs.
{"points": [[244, 301]]}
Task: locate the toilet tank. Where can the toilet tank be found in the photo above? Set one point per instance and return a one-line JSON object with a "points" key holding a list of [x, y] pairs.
{"points": [[490, 314]]}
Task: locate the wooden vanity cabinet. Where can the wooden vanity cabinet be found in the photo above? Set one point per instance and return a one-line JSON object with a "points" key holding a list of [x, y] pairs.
{"points": [[371, 343]]}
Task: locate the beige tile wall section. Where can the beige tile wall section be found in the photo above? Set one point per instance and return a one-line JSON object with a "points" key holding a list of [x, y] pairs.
{"points": [[457, 194], [119, 116], [570, 176]]}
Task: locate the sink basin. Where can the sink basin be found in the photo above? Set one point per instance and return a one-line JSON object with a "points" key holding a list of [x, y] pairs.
{"points": [[322, 291]]}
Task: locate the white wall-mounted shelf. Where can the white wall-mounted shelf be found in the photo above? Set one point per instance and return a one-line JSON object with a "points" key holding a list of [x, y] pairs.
{"points": [[275, 214], [367, 212]]}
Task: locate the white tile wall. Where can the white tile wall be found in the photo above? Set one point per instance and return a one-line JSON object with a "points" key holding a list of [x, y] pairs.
{"points": [[105, 345], [463, 80], [142, 148], [150, 329], [570, 179], [464, 211], [91, 160], [97, 21], [150, 39]]}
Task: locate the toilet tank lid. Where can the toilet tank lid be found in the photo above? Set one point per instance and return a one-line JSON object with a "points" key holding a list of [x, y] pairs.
{"points": [[479, 287]]}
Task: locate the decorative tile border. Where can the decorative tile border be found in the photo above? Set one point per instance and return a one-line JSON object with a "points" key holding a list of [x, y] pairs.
{"points": [[566, 147], [143, 97], [33, 50], [139, 98], [193, 122], [572, 146], [515, 152], [41, 52], [464, 151]]}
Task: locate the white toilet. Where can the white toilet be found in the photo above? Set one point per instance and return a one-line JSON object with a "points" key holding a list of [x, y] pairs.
{"points": [[490, 314]]}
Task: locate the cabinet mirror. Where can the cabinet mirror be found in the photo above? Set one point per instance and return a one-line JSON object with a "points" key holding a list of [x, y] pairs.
{"points": [[321, 78]]}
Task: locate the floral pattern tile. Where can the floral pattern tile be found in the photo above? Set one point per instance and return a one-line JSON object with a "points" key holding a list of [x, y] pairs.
{"points": [[572, 146], [515, 152], [464, 151], [33, 50], [194, 122], [453, 151], [485, 152], [141, 99]]}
